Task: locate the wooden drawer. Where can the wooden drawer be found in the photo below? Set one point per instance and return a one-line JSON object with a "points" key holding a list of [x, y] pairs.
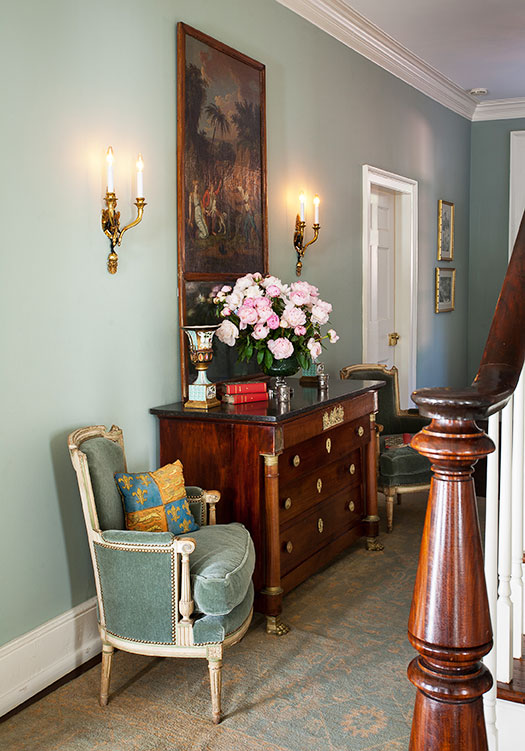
{"points": [[326, 521], [313, 454], [299, 494]]}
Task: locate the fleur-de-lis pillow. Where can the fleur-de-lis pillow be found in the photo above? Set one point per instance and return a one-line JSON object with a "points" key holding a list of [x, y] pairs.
{"points": [[156, 501]]}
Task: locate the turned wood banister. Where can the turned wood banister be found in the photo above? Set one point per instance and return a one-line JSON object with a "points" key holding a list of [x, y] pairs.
{"points": [[449, 621]]}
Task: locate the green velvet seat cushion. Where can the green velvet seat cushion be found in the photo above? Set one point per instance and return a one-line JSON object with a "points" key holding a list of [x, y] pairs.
{"points": [[104, 458], [221, 567], [403, 465], [215, 628]]}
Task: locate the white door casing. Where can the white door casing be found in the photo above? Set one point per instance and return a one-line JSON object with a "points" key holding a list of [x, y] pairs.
{"points": [[381, 254], [403, 288]]}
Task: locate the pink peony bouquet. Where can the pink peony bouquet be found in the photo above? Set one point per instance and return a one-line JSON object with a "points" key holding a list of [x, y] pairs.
{"points": [[271, 321]]}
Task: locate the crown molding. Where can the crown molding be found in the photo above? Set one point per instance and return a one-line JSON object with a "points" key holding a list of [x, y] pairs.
{"points": [[500, 109], [351, 28]]}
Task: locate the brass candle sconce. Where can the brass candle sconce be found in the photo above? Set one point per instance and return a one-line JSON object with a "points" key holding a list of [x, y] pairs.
{"points": [[300, 225], [111, 217]]}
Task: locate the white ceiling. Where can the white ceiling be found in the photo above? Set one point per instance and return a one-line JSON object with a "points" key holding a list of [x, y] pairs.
{"points": [[474, 43]]}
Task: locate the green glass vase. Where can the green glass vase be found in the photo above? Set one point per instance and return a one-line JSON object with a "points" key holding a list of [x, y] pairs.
{"points": [[282, 368]]}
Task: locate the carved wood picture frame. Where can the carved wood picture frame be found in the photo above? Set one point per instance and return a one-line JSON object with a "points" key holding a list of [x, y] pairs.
{"points": [[221, 181]]}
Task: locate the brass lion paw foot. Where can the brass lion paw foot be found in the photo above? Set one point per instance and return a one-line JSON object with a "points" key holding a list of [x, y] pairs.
{"points": [[372, 543], [275, 626]]}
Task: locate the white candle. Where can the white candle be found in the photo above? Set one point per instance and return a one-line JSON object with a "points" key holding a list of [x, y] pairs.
{"points": [[109, 159], [140, 177], [302, 202], [317, 201]]}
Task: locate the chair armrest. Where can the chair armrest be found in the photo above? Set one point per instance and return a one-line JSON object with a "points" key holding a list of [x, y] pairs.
{"points": [[212, 497], [137, 574]]}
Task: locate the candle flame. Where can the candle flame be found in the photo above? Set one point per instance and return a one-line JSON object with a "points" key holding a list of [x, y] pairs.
{"points": [[302, 197], [109, 155], [140, 163], [317, 200]]}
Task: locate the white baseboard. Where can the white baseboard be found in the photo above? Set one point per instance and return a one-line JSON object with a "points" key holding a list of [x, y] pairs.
{"points": [[510, 721], [33, 661]]}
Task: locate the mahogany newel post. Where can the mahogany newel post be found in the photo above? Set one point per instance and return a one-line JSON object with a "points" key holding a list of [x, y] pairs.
{"points": [[449, 621]]}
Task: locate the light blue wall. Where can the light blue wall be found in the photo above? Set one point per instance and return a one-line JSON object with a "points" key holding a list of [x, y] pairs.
{"points": [[489, 226], [81, 347]]}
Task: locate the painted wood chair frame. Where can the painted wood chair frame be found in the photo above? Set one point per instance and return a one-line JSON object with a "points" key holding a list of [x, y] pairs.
{"points": [[179, 551]]}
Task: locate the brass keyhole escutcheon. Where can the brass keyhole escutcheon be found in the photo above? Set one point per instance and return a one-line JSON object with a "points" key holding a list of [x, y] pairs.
{"points": [[320, 525], [393, 339], [351, 469], [360, 431], [289, 547], [296, 460], [351, 506], [328, 445], [288, 503], [319, 484]]}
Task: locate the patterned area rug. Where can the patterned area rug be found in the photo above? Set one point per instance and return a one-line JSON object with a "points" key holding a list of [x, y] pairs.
{"points": [[336, 682]]}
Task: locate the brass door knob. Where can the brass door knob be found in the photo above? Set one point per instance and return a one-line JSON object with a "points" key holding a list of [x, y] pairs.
{"points": [[351, 506], [360, 431], [319, 484], [328, 445], [351, 469], [288, 503], [296, 460], [289, 547], [320, 525]]}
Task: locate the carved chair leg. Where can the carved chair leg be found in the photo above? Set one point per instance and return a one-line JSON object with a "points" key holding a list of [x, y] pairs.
{"points": [[389, 510], [215, 669], [107, 657]]}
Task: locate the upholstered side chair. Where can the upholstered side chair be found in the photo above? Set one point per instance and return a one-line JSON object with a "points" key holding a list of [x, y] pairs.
{"points": [[400, 468], [189, 595]]}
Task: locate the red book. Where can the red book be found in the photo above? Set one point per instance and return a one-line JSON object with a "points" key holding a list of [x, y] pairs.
{"points": [[244, 398], [248, 387]]}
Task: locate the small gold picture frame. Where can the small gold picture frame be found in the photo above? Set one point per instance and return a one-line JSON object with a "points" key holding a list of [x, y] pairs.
{"points": [[445, 231], [445, 290]]}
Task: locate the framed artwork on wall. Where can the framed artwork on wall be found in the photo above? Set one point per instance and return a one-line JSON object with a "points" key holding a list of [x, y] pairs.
{"points": [[221, 178], [445, 231], [445, 290]]}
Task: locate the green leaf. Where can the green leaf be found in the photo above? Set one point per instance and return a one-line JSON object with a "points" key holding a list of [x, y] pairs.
{"points": [[268, 359], [260, 356]]}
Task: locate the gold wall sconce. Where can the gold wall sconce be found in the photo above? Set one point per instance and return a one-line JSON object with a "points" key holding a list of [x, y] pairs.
{"points": [[300, 225], [110, 215]]}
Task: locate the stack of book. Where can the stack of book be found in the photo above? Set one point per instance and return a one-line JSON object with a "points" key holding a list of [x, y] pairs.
{"points": [[242, 393]]}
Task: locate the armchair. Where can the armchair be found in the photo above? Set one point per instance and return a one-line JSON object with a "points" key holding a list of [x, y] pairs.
{"points": [[150, 584], [400, 468]]}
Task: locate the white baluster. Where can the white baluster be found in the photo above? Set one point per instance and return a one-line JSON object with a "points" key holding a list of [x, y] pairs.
{"points": [[491, 575], [504, 614], [516, 583]]}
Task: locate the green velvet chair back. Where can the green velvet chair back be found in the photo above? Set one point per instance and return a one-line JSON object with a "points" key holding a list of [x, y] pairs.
{"points": [[387, 395], [104, 458]]}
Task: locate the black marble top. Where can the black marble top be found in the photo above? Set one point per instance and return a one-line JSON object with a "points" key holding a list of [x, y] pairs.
{"points": [[305, 399]]}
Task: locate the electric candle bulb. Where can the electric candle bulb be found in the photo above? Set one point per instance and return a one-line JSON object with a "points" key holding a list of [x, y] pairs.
{"points": [[302, 201], [317, 201], [110, 159], [140, 176]]}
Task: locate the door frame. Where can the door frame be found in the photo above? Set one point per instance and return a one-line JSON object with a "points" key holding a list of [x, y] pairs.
{"points": [[408, 189]]}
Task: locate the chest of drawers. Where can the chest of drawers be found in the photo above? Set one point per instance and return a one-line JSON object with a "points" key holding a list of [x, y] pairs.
{"points": [[302, 479]]}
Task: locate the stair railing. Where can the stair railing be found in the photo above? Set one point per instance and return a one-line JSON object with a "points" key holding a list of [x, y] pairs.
{"points": [[449, 623]]}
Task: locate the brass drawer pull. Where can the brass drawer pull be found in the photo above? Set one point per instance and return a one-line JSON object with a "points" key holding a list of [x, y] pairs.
{"points": [[288, 503], [360, 431], [351, 469], [296, 460], [319, 484], [289, 547], [320, 525], [328, 445], [351, 506]]}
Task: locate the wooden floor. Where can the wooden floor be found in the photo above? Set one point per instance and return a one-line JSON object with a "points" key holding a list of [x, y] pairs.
{"points": [[515, 690]]}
